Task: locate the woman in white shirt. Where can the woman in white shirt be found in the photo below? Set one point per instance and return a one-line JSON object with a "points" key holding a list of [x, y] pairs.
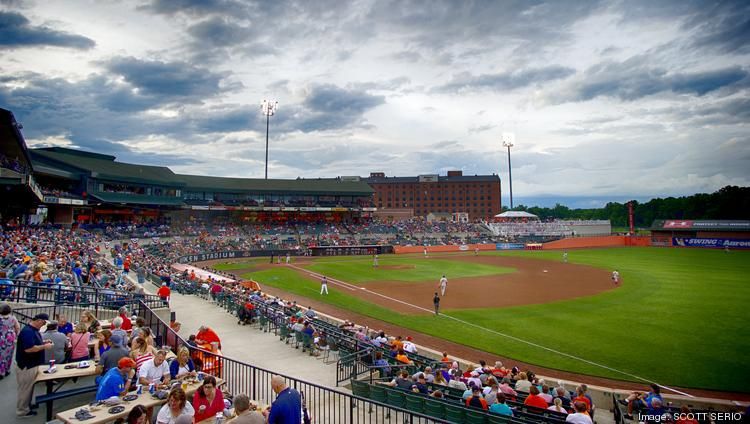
{"points": [[558, 407], [176, 406]]}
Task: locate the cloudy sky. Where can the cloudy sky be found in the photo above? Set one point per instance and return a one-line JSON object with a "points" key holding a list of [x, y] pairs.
{"points": [[607, 100]]}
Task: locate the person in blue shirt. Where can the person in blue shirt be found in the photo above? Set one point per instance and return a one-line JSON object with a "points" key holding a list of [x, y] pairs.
{"points": [[116, 381], [500, 407], [287, 408]]}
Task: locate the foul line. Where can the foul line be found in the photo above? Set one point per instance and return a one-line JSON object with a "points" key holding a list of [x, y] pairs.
{"points": [[577, 358]]}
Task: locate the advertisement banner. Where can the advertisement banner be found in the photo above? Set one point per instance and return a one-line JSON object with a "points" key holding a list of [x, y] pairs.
{"points": [[710, 242], [350, 250], [510, 246], [231, 254]]}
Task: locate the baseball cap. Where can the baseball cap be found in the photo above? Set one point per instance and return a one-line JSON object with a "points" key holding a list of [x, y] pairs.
{"points": [[41, 316], [125, 363], [115, 340]]}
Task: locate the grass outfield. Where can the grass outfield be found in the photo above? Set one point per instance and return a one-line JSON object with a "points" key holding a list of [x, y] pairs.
{"points": [[679, 318], [360, 270]]}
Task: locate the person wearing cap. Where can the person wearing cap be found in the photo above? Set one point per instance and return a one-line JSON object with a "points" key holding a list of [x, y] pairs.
{"points": [[476, 399], [30, 349], [116, 382], [111, 358]]}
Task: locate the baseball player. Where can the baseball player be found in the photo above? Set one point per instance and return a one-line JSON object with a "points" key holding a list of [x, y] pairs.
{"points": [[324, 285], [443, 285]]}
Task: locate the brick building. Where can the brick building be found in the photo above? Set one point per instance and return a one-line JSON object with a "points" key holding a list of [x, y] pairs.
{"points": [[476, 195]]}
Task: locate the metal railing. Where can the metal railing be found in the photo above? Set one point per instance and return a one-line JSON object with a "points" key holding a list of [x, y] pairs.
{"points": [[352, 364], [73, 310], [324, 405], [24, 291]]}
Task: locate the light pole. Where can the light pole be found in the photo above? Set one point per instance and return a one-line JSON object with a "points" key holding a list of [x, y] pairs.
{"points": [[268, 108], [508, 142]]}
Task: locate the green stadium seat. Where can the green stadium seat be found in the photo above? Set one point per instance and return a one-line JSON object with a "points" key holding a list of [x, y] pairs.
{"points": [[475, 416], [378, 394], [395, 397], [498, 419], [455, 412], [434, 408], [415, 403], [360, 388]]}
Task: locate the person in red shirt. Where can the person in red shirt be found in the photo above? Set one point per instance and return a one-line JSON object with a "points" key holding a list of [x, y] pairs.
{"points": [[164, 292], [533, 399], [207, 400], [206, 336], [581, 397], [126, 324]]}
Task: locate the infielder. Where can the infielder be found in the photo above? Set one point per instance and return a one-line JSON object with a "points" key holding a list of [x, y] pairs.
{"points": [[616, 277], [324, 285], [443, 285]]}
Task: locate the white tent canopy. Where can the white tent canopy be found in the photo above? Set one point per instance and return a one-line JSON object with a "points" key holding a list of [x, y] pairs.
{"points": [[516, 214]]}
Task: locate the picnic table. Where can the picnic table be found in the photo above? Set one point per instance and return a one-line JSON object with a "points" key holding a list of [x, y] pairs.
{"points": [[55, 381], [102, 415]]}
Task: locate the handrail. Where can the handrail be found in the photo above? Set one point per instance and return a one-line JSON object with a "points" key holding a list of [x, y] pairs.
{"points": [[324, 404], [24, 291]]}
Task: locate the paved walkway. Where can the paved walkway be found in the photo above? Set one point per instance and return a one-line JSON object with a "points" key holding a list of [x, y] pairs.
{"points": [[248, 343]]}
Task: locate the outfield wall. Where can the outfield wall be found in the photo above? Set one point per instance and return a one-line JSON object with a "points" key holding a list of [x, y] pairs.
{"points": [[440, 249], [607, 241]]}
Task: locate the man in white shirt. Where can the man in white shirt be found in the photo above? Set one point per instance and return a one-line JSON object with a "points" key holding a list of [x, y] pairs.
{"points": [[155, 370], [580, 416], [409, 346]]}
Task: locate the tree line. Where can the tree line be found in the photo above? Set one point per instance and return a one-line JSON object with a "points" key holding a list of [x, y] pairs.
{"points": [[730, 202]]}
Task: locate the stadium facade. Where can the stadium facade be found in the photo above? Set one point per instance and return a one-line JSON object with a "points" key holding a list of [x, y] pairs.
{"points": [[455, 194]]}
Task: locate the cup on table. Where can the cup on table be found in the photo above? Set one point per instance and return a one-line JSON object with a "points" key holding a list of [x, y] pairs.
{"points": [[200, 376], [184, 385]]}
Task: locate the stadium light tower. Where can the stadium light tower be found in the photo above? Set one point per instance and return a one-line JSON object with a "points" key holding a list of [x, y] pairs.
{"points": [[268, 108], [509, 141]]}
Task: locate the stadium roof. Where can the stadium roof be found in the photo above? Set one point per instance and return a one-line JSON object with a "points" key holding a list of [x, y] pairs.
{"points": [[516, 214], [701, 225], [318, 186], [136, 199], [105, 167]]}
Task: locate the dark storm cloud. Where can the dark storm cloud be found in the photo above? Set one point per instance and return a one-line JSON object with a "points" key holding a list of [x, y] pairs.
{"points": [[436, 25], [194, 7], [505, 80], [219, 32], [330, 98], [170, 80], [724, 26], [16, 32], [635, 79]]}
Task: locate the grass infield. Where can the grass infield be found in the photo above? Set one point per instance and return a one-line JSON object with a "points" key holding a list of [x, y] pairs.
{"points": [[678, 319]]}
